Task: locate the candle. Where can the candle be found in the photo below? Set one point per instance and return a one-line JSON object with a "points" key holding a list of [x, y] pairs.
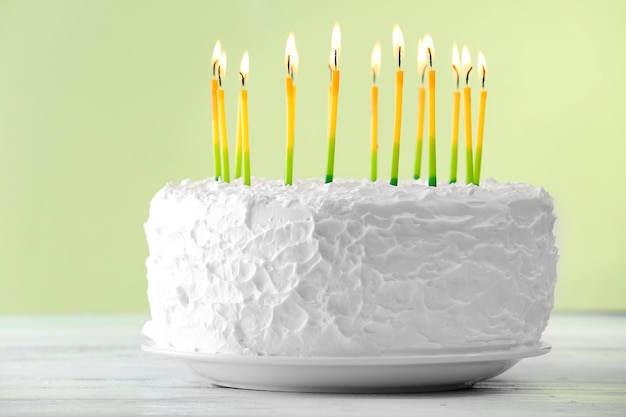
{"points": [[398, 49], [482, 68], [456, 98], [243, 98], [421, 96], [291, 61], [375, 67], [221, 72], [217, 51], [335, 50], [432, 152], [466, 63], [239, 139]]}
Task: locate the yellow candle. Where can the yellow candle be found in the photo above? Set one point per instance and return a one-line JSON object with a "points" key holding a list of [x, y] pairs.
{"points": [[467, 98], [217, 51], [375, 66], [398, 47], [221, 71], [482, 68], [432, 152], [291, 61], [334, 101], [421, 98], [456, 99], [243, 96]]}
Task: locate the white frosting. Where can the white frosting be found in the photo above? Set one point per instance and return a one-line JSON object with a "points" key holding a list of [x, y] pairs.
{"points": [[349, 268]]}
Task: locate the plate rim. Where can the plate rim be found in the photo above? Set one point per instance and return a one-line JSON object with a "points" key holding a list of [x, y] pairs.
{"points": [[513, 353]]}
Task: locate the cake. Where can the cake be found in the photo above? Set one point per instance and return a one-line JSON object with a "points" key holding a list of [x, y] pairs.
{"points": [[350, 268]]}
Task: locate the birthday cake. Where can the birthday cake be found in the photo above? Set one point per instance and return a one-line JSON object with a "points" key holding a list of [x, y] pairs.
{"points": [[350, 268]]}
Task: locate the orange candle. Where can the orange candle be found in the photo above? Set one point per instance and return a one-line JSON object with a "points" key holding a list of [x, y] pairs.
{"points": [[466, 63], [421, 98], [217, 51], [375, 67], [398, 48], [221, 71], [456, 99], [482, 73]]}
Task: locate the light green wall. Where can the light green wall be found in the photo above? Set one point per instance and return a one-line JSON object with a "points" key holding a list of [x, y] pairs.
{"points": [[102, 102]]}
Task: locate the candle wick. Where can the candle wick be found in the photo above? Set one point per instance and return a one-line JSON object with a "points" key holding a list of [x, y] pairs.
{"points": [[467, 76], [399, 56], [335, 59], [456, 71], [289, 65], [423, 74], [214, 65], [374, 77], [484, 73], [219, 75], [430, 58], [243, 80]]}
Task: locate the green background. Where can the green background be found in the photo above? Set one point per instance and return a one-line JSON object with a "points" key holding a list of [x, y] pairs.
{"points": [[103, 102]]}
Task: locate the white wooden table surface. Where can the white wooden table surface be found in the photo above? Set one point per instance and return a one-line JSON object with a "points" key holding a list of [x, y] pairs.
{"points": [[92, 365]]}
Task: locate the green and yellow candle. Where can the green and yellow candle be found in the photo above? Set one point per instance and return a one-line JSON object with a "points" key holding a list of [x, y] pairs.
{"points": [[398, 48], [291, 62], [335, 51]]}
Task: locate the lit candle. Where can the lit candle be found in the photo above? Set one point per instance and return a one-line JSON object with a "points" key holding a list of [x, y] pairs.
{"points": [[466, 63], [291, 61], [217, 51], [432, 151], [456, 98], [243, 98], [482, 73], [221, 72], [398, 50], [375, 66], [239, 140], [335, 50], [421, 97]]}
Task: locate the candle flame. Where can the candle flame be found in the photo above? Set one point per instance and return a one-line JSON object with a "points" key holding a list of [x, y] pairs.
{"points": [[456, 63], [376, 61], [217, 51], [482, 67], [429, 48], [295, 60], [398, 44], [221, 66], [466, 63], [291, 56], [421, 59], [335, 48], [244, 68]]}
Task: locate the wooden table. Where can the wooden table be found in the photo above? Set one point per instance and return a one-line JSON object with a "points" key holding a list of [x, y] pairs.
{"points": [[91, 365]]}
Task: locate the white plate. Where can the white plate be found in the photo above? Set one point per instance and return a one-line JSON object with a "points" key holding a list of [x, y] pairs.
{"points": [[353, 374]]}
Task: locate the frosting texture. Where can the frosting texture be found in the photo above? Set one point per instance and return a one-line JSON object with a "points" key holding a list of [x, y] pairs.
{"points": [[349, 268]]}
